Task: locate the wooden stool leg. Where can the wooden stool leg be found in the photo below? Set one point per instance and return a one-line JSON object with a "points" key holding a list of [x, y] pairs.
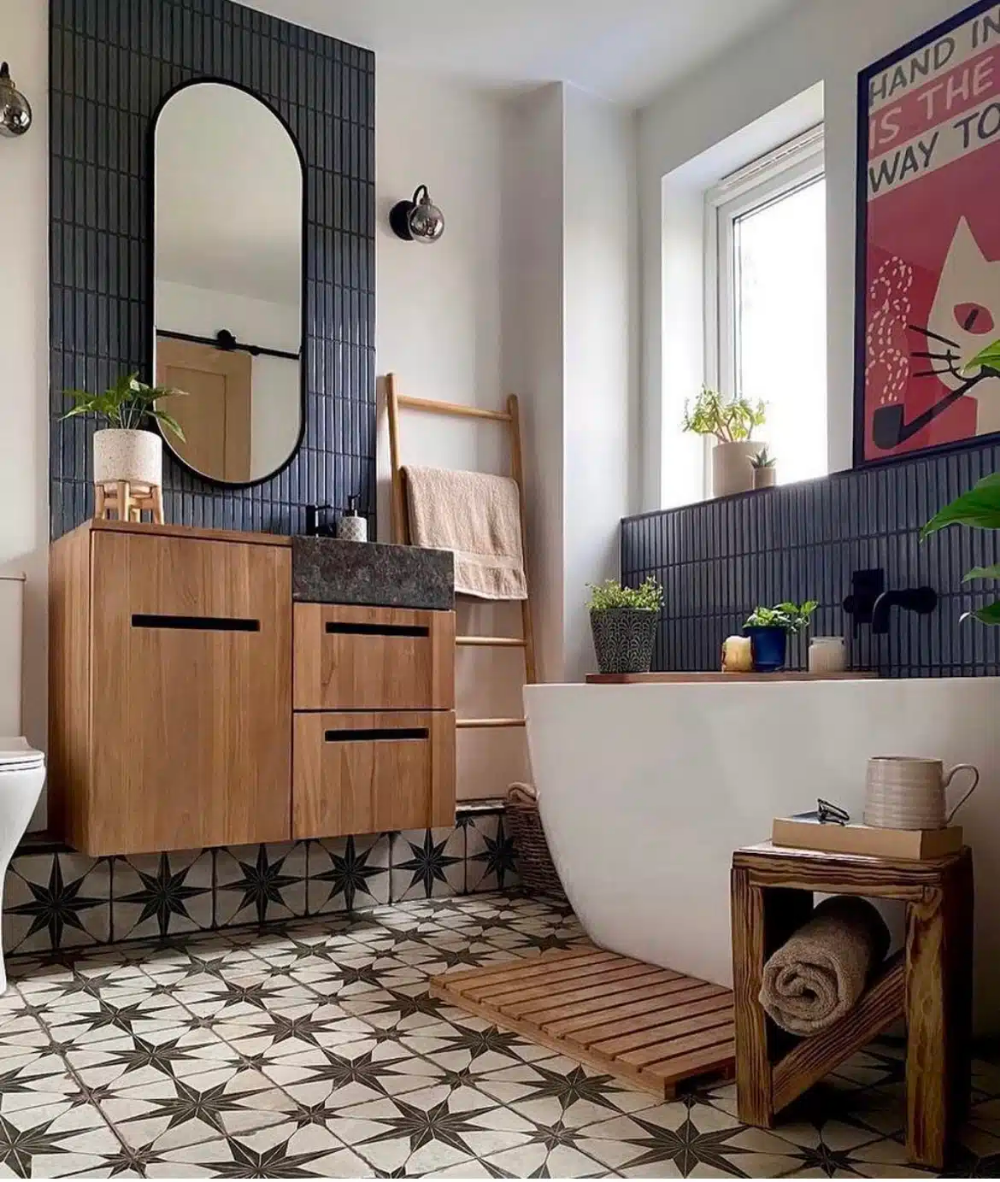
{"points": [[157, 492], [929, 991], [100, 498], [124, 500], [753, 1063]]}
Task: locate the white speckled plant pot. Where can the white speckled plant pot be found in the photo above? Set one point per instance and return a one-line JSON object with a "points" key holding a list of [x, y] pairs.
{"points": [[136, 456], [731, 471]]}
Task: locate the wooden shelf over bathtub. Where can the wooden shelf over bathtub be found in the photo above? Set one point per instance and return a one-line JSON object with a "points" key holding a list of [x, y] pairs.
{"points": [[681, 678]]}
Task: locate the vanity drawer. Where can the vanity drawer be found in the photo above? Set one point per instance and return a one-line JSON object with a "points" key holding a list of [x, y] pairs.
{"points": [[365, 773], [373, 658]]}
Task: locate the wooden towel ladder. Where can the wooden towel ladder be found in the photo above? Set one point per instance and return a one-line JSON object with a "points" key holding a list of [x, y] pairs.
{"points": [[401, 527]]}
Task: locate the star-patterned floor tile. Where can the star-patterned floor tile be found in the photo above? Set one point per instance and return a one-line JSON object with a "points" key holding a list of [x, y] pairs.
{"points": [[312, 1048], [428, 862], [348, 873], [161, 894], [491, 863], [260, 883]]}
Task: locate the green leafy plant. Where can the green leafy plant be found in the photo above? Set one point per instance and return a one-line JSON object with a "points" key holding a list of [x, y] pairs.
{"points": [[127, 405], [988, 358], [611, 594], [793, 617], [729, 420], [763, 459], [979, 508]]}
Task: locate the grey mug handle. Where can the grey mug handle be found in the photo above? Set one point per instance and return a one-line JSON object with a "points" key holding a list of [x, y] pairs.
{"points": [[961, 767]]}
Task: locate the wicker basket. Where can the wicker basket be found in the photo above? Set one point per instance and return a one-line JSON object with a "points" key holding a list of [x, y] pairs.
{"points": [[538, 874]]}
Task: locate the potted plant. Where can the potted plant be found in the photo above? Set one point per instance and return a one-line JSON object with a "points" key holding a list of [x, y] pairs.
{"points": [[979, 508], [125, 450], [623, 621], [764, 469], [732, 422], [768, 629]]}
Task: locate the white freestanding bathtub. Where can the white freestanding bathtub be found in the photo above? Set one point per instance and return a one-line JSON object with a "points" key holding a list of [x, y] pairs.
{"points": [[646, 790]]}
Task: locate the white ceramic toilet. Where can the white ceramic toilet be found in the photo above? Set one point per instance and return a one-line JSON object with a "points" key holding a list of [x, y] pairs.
{"points": [[22, 769]]}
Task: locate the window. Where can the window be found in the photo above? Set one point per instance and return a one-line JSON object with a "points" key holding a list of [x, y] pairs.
{"points": [[766, 298]]}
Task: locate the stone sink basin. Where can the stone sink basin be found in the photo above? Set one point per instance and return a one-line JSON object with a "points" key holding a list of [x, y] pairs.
{"points": [[327, 570]]}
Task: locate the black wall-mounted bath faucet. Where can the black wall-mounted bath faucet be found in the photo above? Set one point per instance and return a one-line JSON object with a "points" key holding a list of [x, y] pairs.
{"points": [[922, 600]]}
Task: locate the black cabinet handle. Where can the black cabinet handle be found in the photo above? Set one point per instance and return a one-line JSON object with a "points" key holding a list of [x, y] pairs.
{"points": [[338, 629], [196, 623], [376, 735]]}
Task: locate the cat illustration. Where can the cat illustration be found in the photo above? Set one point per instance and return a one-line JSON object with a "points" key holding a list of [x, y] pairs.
{"points": [[964, 319]]}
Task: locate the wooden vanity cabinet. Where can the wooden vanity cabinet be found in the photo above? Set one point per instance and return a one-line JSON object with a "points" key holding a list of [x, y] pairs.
{"points": [[172, 718], [170, 683], [374, 734]]}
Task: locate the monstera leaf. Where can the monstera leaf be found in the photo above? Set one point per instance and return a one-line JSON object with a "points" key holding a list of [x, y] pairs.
{"points": [[988, 358], [979, 508]]}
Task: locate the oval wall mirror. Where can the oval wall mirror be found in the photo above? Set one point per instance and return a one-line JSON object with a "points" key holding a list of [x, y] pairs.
{"points": [[227, 282]]}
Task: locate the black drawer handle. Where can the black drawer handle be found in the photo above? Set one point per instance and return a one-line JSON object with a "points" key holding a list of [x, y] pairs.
{"points": [[376, 735], [377, 629], [196, 623]]}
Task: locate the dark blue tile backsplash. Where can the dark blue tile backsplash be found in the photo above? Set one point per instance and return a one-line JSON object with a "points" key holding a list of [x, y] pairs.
{"points": [[719, 559], [112, 62]]}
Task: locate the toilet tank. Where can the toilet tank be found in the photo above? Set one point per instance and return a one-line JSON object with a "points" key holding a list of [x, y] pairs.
{"points": [[11, 619]]}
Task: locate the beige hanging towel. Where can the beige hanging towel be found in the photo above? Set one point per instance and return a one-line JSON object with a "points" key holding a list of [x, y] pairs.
{"points": [[479, 518]]}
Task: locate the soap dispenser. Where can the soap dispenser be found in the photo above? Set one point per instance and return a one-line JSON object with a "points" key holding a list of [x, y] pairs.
{"points": [[352, 527]]}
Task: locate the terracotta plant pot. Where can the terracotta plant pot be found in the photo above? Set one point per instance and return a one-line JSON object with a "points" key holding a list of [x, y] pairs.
{"points": [[624, 639], [764, 477], [136, 456], [731, 471]]}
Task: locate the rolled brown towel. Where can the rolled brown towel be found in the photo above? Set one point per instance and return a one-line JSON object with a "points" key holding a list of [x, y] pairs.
{"points": [[819, 974]]}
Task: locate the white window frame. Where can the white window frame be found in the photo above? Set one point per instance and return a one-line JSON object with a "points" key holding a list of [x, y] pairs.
{"points": [[793, 165]]}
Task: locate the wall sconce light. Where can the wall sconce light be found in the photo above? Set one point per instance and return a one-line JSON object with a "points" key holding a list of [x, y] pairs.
{"points": [[15, 110], [418, 220]]}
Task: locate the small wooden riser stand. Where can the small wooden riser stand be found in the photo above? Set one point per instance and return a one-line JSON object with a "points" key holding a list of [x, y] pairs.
{"points": [[929, 983], [651, 1028], [126, 500]]}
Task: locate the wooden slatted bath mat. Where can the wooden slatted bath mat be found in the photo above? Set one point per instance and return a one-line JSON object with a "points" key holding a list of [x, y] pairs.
{"points": [[650, 1027]]}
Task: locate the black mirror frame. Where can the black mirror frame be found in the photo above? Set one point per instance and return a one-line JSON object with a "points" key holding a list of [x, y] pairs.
{"points": [[304, 347]]}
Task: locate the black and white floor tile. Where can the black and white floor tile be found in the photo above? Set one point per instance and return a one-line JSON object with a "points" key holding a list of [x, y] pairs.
{"points": [[57, 899], [313, 1049]]}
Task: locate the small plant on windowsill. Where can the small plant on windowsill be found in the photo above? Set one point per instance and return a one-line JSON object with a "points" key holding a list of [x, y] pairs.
{"points": [[125, 449], [623, 621], [769, 629], [732, 423], [765, 469]]}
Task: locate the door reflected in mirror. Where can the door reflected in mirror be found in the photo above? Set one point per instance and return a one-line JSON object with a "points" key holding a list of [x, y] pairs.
{"points": [[227, 279]]}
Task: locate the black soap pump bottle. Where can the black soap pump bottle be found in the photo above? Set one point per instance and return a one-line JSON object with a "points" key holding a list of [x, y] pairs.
{"points": [[352, 527]]}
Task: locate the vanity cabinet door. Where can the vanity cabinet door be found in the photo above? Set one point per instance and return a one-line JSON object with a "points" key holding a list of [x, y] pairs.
{"points": [[190, 693], [373, 658], [365, 773]]}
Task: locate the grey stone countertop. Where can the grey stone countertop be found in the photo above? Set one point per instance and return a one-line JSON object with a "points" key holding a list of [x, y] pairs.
{"points": [[328, 570]]}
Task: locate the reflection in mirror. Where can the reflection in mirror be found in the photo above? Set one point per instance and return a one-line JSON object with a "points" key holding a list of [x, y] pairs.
{"points": [[227, 300]]}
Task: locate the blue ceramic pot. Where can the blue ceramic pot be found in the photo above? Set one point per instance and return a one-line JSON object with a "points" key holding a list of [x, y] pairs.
{"points": [[770, 647]]}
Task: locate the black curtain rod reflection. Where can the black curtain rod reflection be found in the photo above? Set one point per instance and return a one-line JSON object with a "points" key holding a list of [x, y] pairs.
{"points": [[225, 341]]}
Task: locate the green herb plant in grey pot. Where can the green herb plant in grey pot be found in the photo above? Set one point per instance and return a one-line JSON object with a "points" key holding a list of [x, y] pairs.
{"points": [[624, 621]]}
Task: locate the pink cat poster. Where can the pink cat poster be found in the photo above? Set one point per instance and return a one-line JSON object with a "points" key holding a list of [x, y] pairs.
{"points": [[929, 240]]}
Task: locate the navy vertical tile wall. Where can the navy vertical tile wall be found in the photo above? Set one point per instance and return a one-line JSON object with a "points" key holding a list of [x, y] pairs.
{"points": [[717, 560], [112, 61]]}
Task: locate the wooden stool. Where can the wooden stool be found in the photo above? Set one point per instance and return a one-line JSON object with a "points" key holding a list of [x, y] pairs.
{"points": [[126, 500], [929, 983]]}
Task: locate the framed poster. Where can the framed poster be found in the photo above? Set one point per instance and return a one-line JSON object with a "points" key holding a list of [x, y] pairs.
{"points": [[928, 251]]}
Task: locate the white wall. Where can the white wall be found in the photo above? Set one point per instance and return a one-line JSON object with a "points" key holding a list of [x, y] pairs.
{"points": [[438, 329], [600, 404], [24, 318], [825, 41]]}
